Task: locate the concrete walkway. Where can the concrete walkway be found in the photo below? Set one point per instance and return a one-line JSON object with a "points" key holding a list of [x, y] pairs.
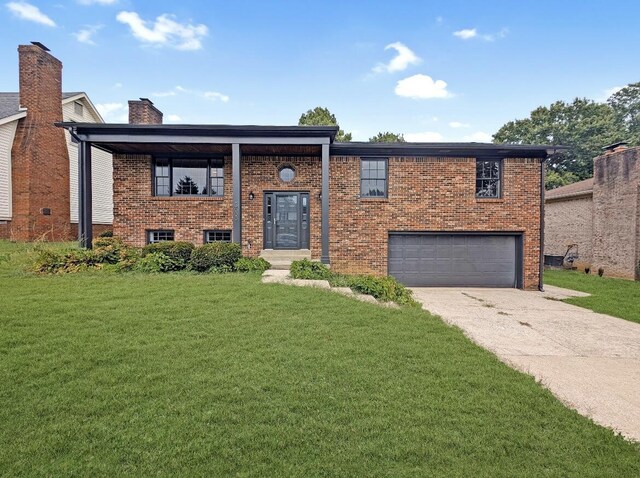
{"points": [[589, 361]]}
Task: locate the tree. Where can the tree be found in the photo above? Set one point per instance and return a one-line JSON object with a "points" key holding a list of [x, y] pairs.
{"points": [[583, 125], [555, 179], [320, 116], [626, 105], [387, 137], [187, 185]]}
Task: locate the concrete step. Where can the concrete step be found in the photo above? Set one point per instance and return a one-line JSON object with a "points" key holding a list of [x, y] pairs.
{"points": [[281, 259]]}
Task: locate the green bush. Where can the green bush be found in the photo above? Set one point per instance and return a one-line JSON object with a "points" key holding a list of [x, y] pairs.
{"points": [[179, 252], [107, 233], [252, 264], [157, 262], [67, 260], [386, 289], [215, 256], [310, 270]]}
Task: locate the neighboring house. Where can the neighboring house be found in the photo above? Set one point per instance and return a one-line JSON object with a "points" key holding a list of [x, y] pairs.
{"points": [[39, 162], [430, 214], [600, 216]]}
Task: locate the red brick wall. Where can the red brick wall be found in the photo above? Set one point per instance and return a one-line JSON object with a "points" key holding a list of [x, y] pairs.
{"points": [[429, 194], [40, 162], [425, 194]]}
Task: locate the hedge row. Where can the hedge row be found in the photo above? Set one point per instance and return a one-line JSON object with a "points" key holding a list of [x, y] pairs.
{"points": [[167, 256]]}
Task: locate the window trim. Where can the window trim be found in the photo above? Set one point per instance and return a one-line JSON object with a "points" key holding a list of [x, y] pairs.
{"points": [[206, 233], [209, 159], [386, 177], [152, 231], [500, 162]]}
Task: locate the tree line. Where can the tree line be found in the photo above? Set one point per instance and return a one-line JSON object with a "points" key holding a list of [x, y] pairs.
{"points": [[585, 126]]}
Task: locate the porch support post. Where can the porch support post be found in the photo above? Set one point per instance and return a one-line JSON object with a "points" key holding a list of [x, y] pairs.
{"points": [[324, 257], [85, 205], [236, 234]]}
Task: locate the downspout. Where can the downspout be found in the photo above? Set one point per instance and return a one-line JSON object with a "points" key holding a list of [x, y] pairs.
{"points": [[542, 177]]}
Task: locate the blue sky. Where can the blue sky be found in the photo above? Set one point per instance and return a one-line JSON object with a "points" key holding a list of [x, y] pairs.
{"points": [[433, 70]]}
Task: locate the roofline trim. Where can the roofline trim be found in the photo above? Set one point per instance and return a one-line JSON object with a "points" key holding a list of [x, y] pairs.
{"points": [[83, 95], [14, 117], [575, 195]]}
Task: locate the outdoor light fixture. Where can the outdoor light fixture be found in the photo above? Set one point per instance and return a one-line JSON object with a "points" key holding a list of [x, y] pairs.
{"points": [[251, 196]]}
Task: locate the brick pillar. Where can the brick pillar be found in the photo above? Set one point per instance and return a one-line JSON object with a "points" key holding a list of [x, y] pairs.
{"points": [[143, 112], [40, 159]]}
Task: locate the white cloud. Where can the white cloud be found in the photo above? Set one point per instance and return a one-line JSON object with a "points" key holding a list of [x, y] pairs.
{"points": [[85, 35], [113, 112], [466, 34], [611, 91], [164, 31], [97, 2], [173, 118], [29, 12], [424, 137], [162, 94], [439, 20], [478, 137], [214, 95], [422, 87], [469, 33], [458, 124], [400, 62], [117, 85]]}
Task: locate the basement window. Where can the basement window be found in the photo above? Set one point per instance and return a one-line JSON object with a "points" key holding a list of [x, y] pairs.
{"points": [[217, 235], [488, 176], [78, 108], [160, 236]]}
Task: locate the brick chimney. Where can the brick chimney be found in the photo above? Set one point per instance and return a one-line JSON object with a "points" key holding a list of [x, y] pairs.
{"points": [[616, 147], [40, 159], [143, 112]]}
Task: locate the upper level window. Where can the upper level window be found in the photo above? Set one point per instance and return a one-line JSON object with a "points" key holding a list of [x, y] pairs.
{"points": [[488, 174], [188, 177], [160, 236], [373, 178], [78, 108], [286, 174]]}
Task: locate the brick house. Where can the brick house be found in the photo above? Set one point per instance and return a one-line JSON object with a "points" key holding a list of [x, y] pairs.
{"points": [[432, 214], [600, 215], [39, 162]]}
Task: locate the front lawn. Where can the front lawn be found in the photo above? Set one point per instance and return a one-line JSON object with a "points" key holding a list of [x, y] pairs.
{"points": [[617, 297], [108, 374]]}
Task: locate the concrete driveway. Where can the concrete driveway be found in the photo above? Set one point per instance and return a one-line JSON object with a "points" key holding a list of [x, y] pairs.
{"points": [[589, 361]]}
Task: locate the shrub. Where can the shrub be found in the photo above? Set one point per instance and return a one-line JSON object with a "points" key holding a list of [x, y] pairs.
{"points": [[252, 264], [64, 261], [155, 262], [306, 269], [386, 289], [600, 271], [179, 252], [107, 233], [214, 256]]}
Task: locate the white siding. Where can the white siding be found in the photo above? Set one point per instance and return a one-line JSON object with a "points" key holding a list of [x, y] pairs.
{"points": [[7, 133], [101, 169]]}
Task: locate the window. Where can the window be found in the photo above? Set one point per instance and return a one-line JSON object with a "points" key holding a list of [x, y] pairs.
{"points": [[488, 174], [160, 236], [78, 108], [217, 236], [188, 177], [287, 173], [373, 178]]}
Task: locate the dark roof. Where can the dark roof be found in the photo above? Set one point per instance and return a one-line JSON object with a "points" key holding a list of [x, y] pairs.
{"points": [[130, 133], [581, 188], [446, 149], [10, 102]]}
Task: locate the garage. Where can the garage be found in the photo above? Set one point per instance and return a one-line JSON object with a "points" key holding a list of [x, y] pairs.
{"points": [[456, 259]]}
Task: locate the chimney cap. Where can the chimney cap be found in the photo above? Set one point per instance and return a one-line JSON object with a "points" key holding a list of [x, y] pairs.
{"points": [[146, 99], [40, 45], [616, 146]]}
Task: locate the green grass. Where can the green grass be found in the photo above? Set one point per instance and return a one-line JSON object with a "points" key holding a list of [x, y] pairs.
{"points": [[215, 375], [617, 297]]}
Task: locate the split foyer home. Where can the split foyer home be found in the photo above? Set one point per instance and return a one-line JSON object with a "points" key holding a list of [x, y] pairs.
{"points": [[429, 214], [39, 162]]}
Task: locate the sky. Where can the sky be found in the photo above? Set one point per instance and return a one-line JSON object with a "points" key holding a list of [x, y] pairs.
{"points": [[431, 70]]}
